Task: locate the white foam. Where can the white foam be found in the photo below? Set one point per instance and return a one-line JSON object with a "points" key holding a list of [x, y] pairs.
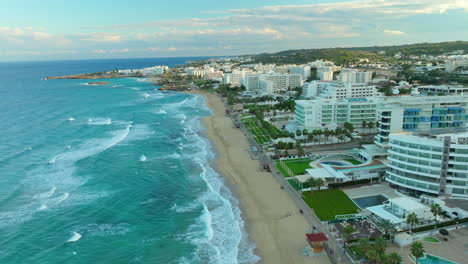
{"points": [[99, 121], [42, 208], [76, 236], [71, 119], [161, 111], [207, 219], [142, 158], [142, 79], [116, 85], [46, 194], [146, 95], [61, 199]]}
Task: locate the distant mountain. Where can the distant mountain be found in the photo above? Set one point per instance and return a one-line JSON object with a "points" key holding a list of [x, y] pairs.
{"points": [[346, 55]]}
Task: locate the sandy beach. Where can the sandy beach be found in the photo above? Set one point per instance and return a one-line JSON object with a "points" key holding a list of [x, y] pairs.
{"points": [[272, 218]]}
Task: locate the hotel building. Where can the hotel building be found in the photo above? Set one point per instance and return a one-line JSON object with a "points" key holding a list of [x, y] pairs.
{"points": [[411, 113], [429, 163]]}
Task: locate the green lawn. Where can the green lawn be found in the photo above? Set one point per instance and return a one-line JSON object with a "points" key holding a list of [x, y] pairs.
{"points": [[260, 134], [297, 166], [354, 161], [431, 239], [328, 203], [296, 186]]}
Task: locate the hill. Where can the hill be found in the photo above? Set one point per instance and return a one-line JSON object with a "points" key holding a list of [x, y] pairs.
{"points": [[346, 55]]}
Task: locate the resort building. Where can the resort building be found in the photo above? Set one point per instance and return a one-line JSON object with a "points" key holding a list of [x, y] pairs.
{"points": [[410, 113], [325, 73], [429, 163], [322, 113], [338, 90], [443, 89], [304, 71], [155, 70], [454, 65], [396, 210], [354, 76]]}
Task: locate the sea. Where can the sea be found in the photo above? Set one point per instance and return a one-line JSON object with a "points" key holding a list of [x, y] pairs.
{"points": [[116, 173]]}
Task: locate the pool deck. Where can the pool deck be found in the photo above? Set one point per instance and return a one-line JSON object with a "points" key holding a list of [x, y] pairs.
{"points": [[371, 190], [455, 249]]}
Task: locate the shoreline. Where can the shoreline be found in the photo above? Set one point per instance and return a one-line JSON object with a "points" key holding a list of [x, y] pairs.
{"points": [[271, 218]]}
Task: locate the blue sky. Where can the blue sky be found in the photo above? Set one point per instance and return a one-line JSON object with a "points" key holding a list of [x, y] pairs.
{"points": [[63, 29]]}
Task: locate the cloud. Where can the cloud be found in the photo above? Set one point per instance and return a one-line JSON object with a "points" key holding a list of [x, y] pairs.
{"points": [[394, 32], [103, 37], [252, 30]]}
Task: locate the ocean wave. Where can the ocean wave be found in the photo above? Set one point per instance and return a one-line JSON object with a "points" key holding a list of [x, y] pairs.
{"points": [[99, 121], [59, 173], [219, 233], [46, 194], [75, 237], [103, 230], [71, 119], [142, 158]]}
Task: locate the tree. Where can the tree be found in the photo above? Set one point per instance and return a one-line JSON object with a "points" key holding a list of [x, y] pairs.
{"points": [[372, 256], [412, 219], [347, 231], [363, 244], [388, 227], [417, 250], [370, 125], [319, 183], [298, 133], [393, 258], [380, 246], [363, 124], [436, 210], [311, 183]]}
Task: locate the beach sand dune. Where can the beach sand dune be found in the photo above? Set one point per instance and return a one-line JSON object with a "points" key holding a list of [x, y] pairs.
{"points": [[273, 219]]}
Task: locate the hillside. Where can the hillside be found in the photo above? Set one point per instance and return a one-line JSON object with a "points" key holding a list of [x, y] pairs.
{"points": [[346, 55]]}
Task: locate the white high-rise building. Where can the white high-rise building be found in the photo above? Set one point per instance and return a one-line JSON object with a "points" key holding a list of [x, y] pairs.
{"points": [[338, 90], [251, 83], [453, 65], [433, 163], [304, 71], [364, 77], [324, 113], [325, 73], [353, 76], [423, 113]]}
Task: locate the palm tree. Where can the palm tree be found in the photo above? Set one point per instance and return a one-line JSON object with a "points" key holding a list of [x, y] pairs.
{"points": [[347, 231], [436, 210], [310, 137], [319, 183], [417, 250], [380, 246], [393, 258], [363, 244], [372, 256], [363, 124], [370, 125], [311, 183], [388, 227], [412, 219]]}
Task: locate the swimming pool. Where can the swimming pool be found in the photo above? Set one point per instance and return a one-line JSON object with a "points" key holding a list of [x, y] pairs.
{"points": [[368, 201], [431, 259], [336, 163]]}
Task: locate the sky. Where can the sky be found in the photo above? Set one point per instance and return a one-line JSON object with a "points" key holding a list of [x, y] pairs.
{"points": [[90, 29]]}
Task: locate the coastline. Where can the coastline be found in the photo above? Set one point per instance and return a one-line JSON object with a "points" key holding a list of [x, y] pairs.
{"points": [[272, 219]]}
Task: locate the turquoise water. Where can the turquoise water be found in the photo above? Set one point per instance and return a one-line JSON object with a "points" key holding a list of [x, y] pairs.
{"points": [[430, 259], [116, 173]]}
